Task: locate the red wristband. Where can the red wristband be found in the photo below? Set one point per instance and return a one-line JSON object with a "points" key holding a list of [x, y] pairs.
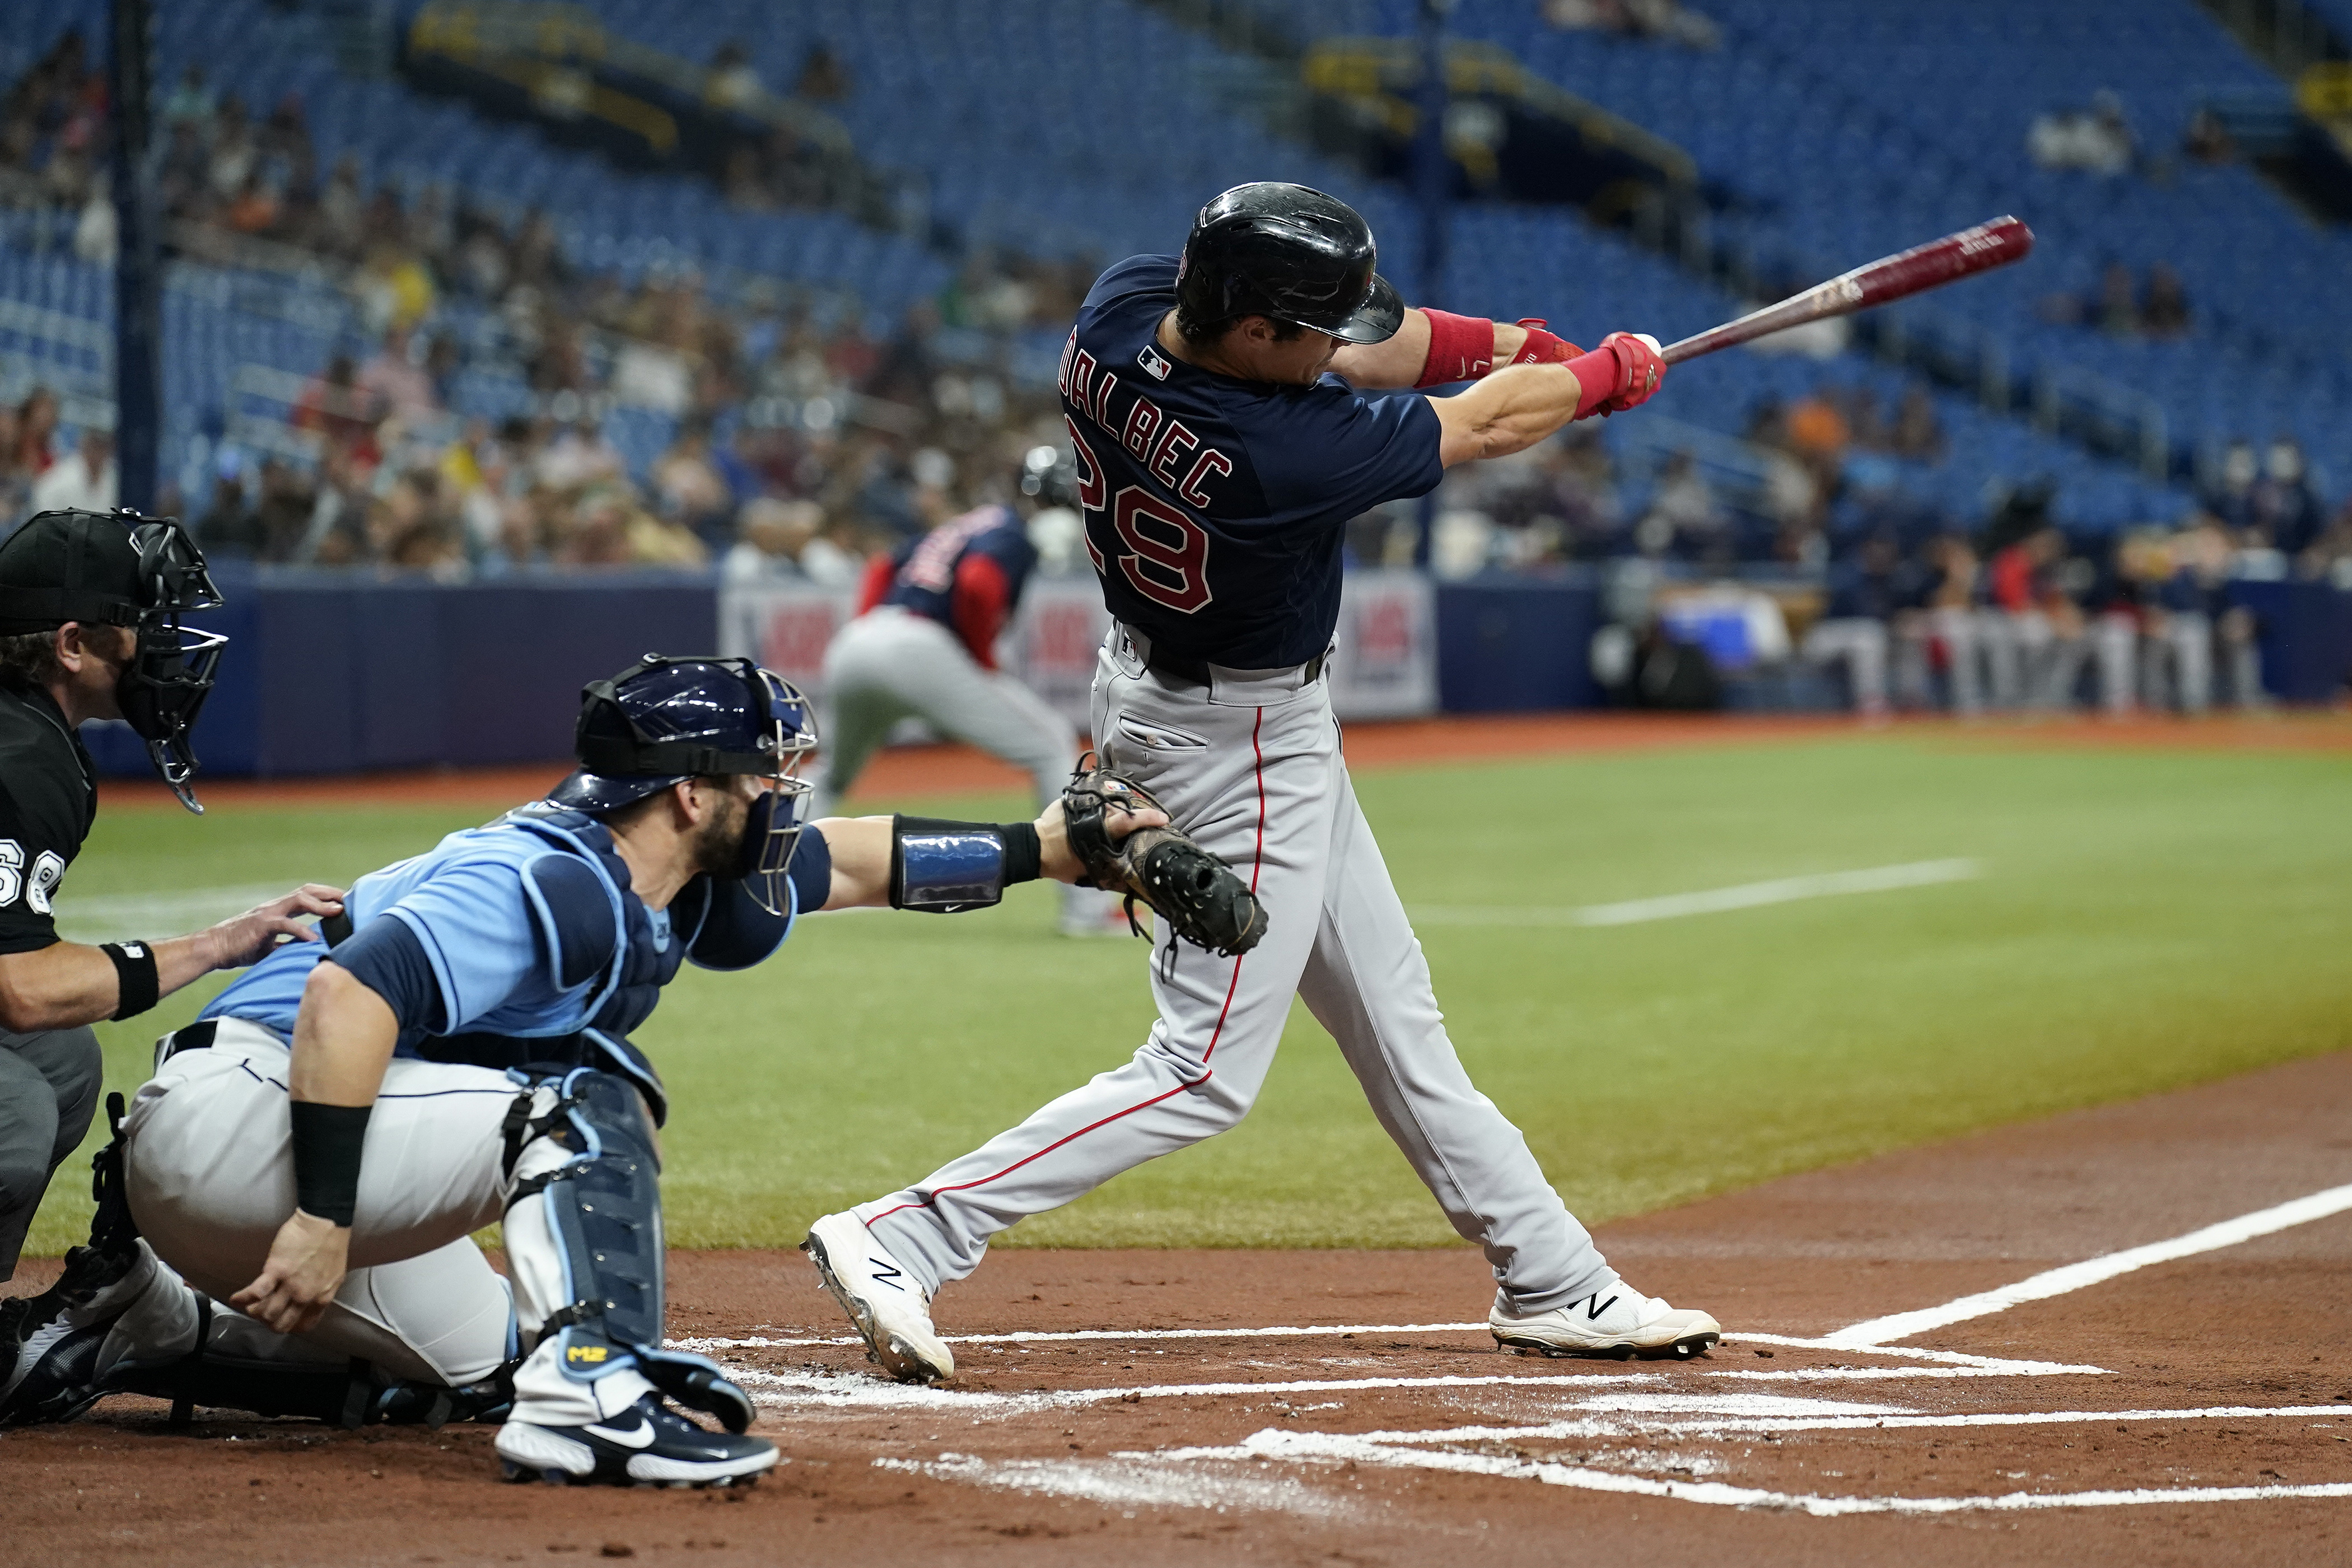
{"points": [[1598, 373], [1461, 348]]}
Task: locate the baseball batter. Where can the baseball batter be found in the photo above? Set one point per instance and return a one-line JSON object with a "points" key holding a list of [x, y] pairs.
{"points": [[285, 1217], [1223, 444], [923, 646]]}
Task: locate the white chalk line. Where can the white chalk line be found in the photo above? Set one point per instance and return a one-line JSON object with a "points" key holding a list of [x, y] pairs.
{"points": [[1131, 1484], [1830, 1418], [1993, 1365], [1276, 1445], [1711, 901], [2091, 1271]]}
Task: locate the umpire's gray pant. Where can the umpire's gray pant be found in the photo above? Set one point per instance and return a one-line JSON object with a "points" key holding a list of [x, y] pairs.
{"points": [[49, 1089]]}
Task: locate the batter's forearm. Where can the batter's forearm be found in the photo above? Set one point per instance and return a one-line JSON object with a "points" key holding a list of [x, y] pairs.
{"points": [[1398, 362]]}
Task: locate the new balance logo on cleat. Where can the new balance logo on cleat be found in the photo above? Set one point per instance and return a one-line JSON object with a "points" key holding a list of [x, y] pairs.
{"points": [[883, 1274], [1596, 1306]]}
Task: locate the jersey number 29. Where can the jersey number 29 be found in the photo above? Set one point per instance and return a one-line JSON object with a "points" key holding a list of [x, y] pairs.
{"points": [[1167, 554]]}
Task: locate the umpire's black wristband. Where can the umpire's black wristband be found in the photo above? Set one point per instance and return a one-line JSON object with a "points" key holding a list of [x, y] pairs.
{"points": [[135, 985], [327, 1142]]}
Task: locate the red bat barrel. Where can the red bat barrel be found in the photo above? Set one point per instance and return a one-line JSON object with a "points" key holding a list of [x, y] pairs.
{"points": [[1930, 265]]}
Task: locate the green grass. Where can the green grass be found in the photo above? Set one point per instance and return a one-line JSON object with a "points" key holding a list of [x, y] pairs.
{"points": [[2146, 920]]}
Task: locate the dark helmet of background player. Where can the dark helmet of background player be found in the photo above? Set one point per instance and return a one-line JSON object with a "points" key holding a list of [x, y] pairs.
{"points": [[122, 569], [666, 720], [1289, 253]]}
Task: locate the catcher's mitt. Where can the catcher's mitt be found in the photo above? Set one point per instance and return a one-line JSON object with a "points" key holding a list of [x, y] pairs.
{"points": [[1194, 891]]}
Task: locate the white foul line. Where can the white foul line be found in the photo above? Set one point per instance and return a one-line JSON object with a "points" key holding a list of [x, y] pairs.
{"points": [[2091, 1271], [1279, 1445], [1713, 900]]}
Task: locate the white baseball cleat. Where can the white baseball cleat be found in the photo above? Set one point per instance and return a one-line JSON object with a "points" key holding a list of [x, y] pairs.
{"points": [[1614, 1323], [881, 1297]]}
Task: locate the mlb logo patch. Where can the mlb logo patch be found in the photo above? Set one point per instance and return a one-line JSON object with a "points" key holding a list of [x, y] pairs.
{"points": [[1151, 360]]}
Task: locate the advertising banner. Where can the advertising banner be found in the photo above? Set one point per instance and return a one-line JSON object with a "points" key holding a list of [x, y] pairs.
{"points": [[1385, 667]]}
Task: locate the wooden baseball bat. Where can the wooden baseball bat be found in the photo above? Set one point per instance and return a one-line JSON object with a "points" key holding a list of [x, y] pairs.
{"points": [[1931, 266]]}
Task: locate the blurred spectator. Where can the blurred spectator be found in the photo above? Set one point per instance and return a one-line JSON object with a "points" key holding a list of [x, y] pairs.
{"points": [[2100, 141], [333, 405], [36, 423], [394, 381], [1949, 626], [2206, 140], [732, 83], [1634, 19], [2282, 510], [822, 78], [2118, 311], [1918, 435], [2164, 309], [228, 530], [690, 489], [769, 540], [85, 479], [1684, 514]]}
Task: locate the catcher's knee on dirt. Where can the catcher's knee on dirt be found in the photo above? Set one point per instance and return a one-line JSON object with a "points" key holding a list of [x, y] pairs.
{"points": [[583, 1239]]}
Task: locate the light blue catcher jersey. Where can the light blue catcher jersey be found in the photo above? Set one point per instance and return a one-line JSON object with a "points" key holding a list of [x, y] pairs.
{"points": [[532, 933]]}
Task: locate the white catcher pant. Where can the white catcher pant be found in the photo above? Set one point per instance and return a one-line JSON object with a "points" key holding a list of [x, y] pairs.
{"points": [[210, 1176], [890, 664], [1251, 768]]}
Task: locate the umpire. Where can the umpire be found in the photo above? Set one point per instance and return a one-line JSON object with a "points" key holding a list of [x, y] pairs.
{"points": [[89, 628]]}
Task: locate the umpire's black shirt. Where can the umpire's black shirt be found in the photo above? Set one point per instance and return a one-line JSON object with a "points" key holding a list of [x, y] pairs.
{"points": [[49, 798]]}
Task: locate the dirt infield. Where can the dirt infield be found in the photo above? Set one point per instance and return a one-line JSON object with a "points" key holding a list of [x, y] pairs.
{"points": [[1455, 738], [1344, 1407]]}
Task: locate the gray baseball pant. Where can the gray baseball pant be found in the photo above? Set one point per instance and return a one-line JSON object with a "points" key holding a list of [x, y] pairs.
{"points": [[49, 1089], [890, 664], [1250, 766]]}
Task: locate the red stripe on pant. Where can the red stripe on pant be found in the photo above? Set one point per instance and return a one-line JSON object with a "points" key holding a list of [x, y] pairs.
{"points": [[1257, 860]]}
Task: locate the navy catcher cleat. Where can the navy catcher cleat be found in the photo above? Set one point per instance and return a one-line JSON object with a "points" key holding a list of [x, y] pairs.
{"points": [[54, 1340], [647, 1445]]}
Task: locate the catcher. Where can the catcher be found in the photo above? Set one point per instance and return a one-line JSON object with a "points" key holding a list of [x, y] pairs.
{"points": [[284, 1218]]}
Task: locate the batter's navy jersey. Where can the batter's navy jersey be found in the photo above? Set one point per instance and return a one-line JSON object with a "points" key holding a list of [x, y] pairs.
{"points": [[1214, 507]]}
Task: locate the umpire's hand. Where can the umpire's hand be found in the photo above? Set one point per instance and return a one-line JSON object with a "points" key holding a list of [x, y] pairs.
{"points": [[306, 1268], [248, 938]]}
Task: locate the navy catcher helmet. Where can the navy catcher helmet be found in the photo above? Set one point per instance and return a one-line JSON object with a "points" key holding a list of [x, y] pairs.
{"points": [[1291, 254], [666, 720]]}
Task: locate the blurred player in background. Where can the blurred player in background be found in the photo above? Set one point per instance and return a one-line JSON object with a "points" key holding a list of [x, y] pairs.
{"points": [[923, 646]]}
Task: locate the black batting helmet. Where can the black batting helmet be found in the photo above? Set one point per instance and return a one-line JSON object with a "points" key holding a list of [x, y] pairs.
{"points": [[1289, 253]]}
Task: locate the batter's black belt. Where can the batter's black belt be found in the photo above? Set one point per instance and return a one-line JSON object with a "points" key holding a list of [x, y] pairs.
{"points": [[1195, 672]]}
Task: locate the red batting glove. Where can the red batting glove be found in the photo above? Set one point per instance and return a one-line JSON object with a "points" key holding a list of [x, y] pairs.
{"points": [[1543, 347], [1620, 373], [1642, 371]]}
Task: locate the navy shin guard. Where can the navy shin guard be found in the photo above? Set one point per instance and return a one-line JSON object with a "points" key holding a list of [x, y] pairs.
{"points": [[604, 1208]]}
